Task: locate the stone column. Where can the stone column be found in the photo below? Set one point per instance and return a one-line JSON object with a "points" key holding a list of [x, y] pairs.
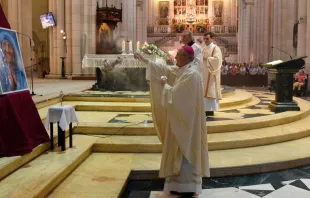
{"points": [[261, 31], [284, 18], [248, 30], [20, 19], [76, 38], [150, 12], [277, 26], [93, 26], [288, 20], [233, 18], [68, 29], [302, 27], [129, 21], [245, 30], [52, 45], [307, 38], [145, 21], [240, 30], [60, 42], [139, 22]]}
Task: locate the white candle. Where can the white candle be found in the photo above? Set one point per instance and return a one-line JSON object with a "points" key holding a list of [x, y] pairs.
{"points": [[138, 45], [123, 46], [130, 46]]}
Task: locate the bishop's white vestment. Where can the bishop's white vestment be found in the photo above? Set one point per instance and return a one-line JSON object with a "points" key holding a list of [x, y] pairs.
{"points": [[179, 120], [212, 63]]}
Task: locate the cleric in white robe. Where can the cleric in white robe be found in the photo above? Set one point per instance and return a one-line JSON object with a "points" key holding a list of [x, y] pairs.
{"points": [[212, 63], [178, 116]]}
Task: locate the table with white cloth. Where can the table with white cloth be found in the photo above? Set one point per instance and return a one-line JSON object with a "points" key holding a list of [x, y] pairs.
{"points": [[63, 116]]}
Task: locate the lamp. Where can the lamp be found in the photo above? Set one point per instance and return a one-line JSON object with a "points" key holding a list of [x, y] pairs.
{"points": [[64, 37], [31, 60]]}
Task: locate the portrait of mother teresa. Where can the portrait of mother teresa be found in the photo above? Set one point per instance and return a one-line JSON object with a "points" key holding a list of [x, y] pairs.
{"points": [[12, 73]]}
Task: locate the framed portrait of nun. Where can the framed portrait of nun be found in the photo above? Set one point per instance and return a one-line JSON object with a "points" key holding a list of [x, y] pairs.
{"points": [[12, 70]]}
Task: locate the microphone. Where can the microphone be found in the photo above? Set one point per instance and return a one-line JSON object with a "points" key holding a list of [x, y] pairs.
{"points": [[282, 51]]}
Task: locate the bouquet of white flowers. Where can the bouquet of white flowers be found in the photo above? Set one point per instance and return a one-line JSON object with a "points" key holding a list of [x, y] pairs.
{"points": [[151, 49]]}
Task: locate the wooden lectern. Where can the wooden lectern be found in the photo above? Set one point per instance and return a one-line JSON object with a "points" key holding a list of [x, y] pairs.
{"points": [[285, 71]]}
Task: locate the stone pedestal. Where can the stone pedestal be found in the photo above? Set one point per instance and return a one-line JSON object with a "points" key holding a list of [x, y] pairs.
{"points": [[284, 84], [284, 94]]}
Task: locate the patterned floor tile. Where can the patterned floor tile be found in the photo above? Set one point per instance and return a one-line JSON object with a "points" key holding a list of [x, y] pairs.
{"points": [[289, 191]]}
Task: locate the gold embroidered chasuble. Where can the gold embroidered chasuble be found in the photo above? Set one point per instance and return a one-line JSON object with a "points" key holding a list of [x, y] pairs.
{"points": [[179, 118]]}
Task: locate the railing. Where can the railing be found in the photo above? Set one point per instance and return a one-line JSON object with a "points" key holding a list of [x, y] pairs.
{"points": [[232, 49], [223, 29], [220, 40], [229, 49], [150, 29], [218, 29], [164, 39]]}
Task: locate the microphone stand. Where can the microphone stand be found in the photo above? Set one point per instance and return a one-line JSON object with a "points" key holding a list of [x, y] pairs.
{"points": [[282, 51], [32, 92]]}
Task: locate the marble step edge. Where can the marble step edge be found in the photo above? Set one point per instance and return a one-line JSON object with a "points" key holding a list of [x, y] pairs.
{"points": [[62, 174], [212, 127], [259, 168], [13, 164], [18, 161], [250, 164], [138, 174], [44, 188], [106, 99], [113, 108], [98, 98], [151, 144], [146, 108]]}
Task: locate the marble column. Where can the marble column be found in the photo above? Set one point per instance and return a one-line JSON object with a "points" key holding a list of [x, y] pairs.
{"points": [[307, 39], [76, 38], [93, 27], [233, 16], [20, 19], [245, 30], [60, 42], [277, 26], [150, 12], [139, 22], [52, 45], [240, 30], [284, 18], [68, 30], [248, 30], [302, 27], [261, 31]]}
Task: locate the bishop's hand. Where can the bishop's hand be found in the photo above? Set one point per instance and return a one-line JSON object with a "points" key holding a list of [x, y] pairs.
{"points": [[163, 80], [139, 57]]}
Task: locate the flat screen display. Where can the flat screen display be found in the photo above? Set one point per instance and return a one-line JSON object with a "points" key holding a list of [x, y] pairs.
{"points": [[47, 20]]}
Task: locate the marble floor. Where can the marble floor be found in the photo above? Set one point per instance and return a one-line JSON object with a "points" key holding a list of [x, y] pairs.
{"points": [[280, 184], [45, 89]]}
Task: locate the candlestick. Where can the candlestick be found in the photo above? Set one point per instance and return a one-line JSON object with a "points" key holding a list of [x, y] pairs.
{"points": [[130, 46], [138, 46], [123, 45]]}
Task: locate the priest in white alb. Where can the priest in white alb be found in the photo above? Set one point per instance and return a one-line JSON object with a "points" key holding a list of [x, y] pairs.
{"points": [[212, 63], [188, 39], [178, 116]]}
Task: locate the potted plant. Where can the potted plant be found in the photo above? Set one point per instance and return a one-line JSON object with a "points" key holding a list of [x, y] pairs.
{"points": [[179, 27], [200, 27]]}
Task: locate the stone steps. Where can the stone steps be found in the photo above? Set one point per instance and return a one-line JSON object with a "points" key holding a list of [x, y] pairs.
{"points": [[105, 173], [38, 177], [101, 126], [217, 141], [10, 164]]}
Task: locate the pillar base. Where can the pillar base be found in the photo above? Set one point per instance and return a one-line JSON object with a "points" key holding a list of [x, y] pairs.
{"points": [[279, 107]]}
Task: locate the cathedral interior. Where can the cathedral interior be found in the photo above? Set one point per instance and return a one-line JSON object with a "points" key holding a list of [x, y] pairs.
{"points": [[81, 57]]}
